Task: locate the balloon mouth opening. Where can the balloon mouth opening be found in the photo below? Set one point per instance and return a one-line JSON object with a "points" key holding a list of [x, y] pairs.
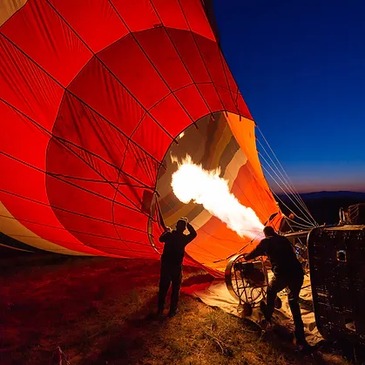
{"points": [[198, 173]]}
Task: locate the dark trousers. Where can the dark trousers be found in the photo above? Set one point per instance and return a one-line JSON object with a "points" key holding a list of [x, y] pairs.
{"points": [[169, 275], [294, 284]]}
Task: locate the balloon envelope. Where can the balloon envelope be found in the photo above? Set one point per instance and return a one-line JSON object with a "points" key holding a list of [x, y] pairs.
{"points": [[93, 98]]}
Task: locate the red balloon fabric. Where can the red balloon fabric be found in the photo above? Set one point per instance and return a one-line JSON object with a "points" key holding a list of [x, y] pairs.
{"points": [[92, 95]]}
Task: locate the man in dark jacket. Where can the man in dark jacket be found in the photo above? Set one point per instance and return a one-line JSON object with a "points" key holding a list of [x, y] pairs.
{"points": [[288, 273], [171, 263]]}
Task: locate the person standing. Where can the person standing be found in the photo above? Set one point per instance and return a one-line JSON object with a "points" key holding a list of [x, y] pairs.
{"points": [[288, 273], [175, 242]]}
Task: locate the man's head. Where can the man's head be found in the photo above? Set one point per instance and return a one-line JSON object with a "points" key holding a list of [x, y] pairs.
{"points": [[181, 225], [269, 231]]}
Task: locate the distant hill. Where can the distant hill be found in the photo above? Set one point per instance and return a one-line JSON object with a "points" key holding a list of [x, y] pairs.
{"points": [[324, 205]]}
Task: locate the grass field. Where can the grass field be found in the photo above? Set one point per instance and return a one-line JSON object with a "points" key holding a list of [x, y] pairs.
{"points": [[67, 310]]}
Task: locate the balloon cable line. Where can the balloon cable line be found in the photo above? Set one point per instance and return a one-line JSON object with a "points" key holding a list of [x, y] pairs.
{"points": [[286, 182], [301, 207], [283, 179], [286, 177], [285, 192], [306, 222]]}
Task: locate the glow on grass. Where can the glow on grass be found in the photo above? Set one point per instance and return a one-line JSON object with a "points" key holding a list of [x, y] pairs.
{"points": [[192, 183]]}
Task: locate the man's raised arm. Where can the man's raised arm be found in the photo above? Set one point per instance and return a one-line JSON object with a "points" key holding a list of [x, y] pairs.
{"points": [[192, 232]]}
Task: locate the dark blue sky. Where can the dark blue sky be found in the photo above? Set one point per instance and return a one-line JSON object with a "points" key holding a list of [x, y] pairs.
{"points": [[300, 65]]}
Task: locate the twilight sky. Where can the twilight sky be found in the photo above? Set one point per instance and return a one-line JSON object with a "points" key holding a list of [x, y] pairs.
{"points": [[300, 65]]}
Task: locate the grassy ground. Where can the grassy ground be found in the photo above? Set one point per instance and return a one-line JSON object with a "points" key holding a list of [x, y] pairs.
{"points": [[85, 311]]}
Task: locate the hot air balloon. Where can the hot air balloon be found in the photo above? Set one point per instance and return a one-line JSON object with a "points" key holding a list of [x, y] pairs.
{"points": [[97, 99]]}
